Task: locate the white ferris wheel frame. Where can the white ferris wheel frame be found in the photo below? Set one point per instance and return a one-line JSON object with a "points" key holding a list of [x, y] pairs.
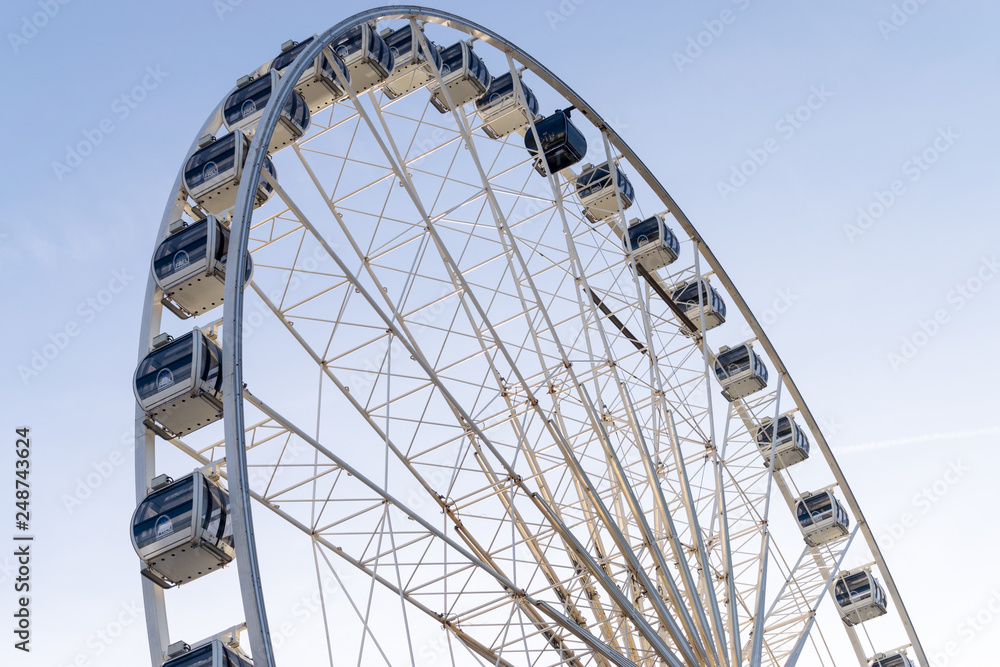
{"points": [[233, 386]]}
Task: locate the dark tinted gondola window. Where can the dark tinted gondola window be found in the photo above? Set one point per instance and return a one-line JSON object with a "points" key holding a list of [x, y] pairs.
{"points": [[819, 507], [216, 519], [784, 432], [893, 661], [286, 58], [183, 248], [405, 48], [165, 367], [551, 133], [562, 143], [859, 586], [842, 594], [478, 69], [222, 248], [211, 370], [348, 43], [163, 513], [200, 657], [380, 52], [221, 242], [800, 437], [248, 100], [625, 186], [328, 62], [451, 59], [594, 181], [641, 233], [269, 168], [759, 368], [802, 513], [209, 162], [688, 294], [474, 65], [235, 661], [501, 87], [401, 45], [718, 304], [435, 54], [530, 99], [732, 362], [298, 110], [670, 240]]}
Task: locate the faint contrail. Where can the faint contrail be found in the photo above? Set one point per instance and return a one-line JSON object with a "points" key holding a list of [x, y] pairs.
{"points": [[917, 438]]}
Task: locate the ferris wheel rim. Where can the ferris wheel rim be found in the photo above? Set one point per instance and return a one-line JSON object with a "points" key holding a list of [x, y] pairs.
{"points": [[242, 215]]}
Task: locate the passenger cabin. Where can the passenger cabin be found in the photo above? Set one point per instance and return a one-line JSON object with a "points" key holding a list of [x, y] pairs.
{"points": [[740, 371], [464, 76], [213, 174], [563, 145], [412, 69], [821, 518], [651, 243], [366, 56], [859, 596], [189, 266], [179, 383], [694, 295], [791, 446], [502, 112], [596, 188], [893, 659], [211, 654], [318, 85], [245, 106], [183, 531]]}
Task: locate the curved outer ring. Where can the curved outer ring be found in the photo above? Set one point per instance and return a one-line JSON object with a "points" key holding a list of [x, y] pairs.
{"points": [[247, 566]]}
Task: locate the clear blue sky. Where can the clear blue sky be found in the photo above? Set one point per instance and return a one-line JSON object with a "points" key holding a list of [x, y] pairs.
{"points": [[863, 236]]}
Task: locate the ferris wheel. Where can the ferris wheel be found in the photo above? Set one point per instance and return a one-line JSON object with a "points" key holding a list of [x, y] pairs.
{"points": [[425, 338]]}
